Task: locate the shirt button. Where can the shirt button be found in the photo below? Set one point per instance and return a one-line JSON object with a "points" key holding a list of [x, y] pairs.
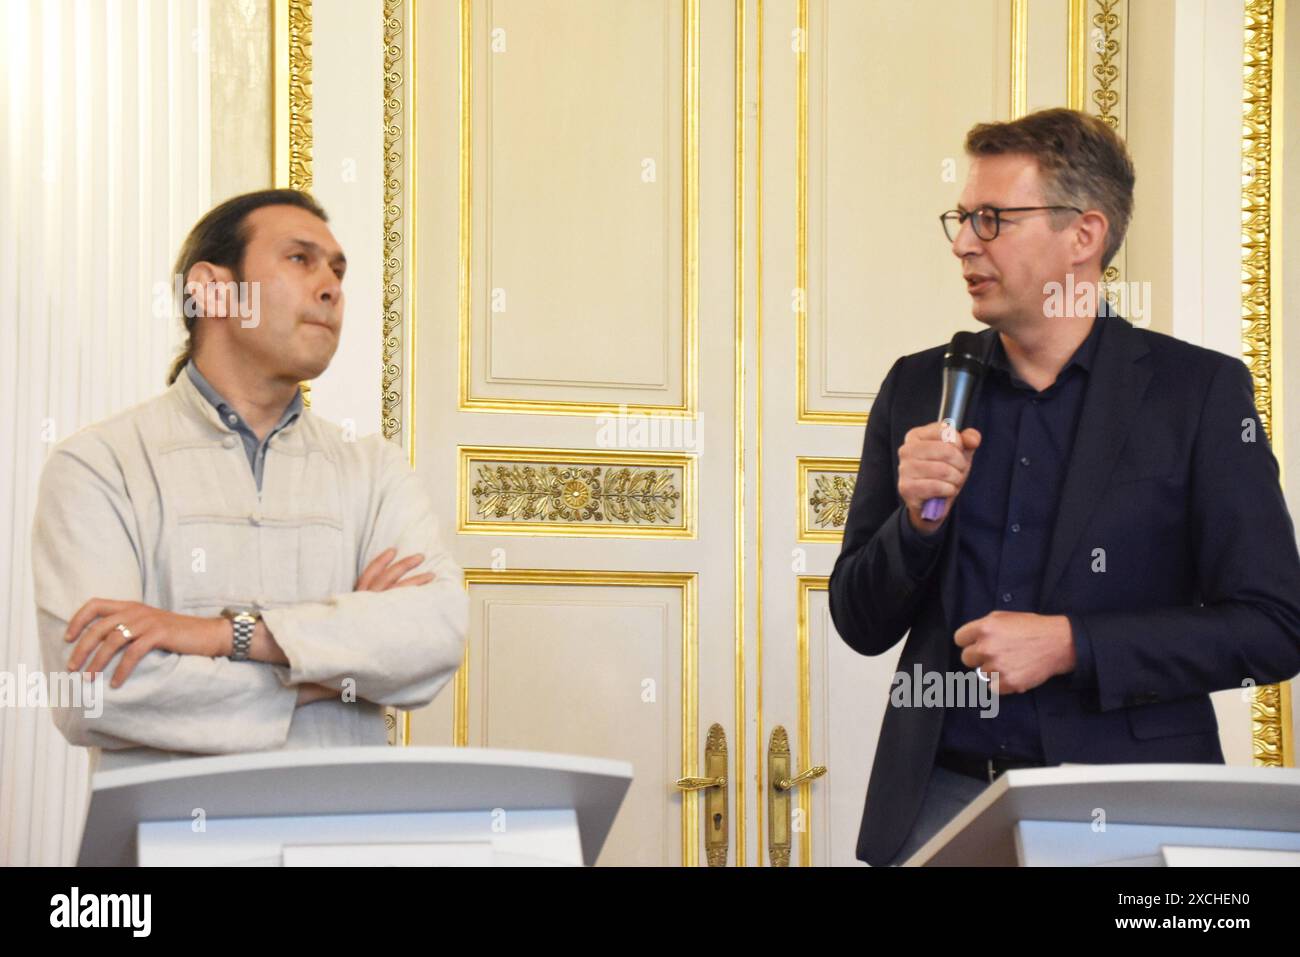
{"points": [[229, 441], [1016, 527], [255, 517], [1024, 460], [232, 418], [1006, 596]]}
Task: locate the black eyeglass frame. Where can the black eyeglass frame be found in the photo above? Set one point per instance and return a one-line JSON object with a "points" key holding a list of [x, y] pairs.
{"points": [[997, 218]]}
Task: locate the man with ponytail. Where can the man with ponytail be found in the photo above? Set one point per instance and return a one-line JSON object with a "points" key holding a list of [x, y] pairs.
{"points": [[225, 558]]}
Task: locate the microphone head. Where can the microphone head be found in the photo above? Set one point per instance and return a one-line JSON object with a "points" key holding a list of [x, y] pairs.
{"points": [[967, 351]]}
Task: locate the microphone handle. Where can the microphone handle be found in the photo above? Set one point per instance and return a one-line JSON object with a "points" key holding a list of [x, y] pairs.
{"points": [[933, 507]]}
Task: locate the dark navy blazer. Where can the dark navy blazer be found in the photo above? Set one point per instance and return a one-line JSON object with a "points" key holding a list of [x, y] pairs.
{"points": [[1201, 583]]}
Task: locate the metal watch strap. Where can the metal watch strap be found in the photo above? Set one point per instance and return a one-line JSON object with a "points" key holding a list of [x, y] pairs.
{"points": [[242, 624]]}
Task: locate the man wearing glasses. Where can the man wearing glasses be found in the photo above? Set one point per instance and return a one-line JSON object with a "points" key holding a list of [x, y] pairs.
{"points": [[1114, 544]]}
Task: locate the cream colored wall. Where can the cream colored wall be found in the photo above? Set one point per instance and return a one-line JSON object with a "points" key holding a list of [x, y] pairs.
{"points": [[347, 154], [1150, 92], [241, 96]]}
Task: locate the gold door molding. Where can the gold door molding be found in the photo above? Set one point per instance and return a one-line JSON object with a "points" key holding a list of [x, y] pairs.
{"points": [[400, 332], [687, 583], [806, 584], [690, 121], [580, 492]]}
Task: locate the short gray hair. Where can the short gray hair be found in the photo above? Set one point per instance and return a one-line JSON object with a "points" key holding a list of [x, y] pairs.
{"points": [[1081, 162]]}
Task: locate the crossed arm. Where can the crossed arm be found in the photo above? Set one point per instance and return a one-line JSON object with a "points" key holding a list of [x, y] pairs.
{"points": [[99, 623], [395, 640]]}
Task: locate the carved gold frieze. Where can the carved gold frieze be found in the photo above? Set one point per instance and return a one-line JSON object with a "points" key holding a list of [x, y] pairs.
{"points": [[576, 492]]}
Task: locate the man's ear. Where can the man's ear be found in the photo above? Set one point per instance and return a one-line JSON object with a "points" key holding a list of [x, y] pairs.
{"points": [[212, 290], [1090, 234]]}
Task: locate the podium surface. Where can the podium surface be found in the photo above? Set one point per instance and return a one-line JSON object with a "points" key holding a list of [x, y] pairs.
{"points": [[1119, 814], [444, 805]]}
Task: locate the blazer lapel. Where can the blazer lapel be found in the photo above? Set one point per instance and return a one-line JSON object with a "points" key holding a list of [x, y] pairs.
{"points": [[1115, 388]]}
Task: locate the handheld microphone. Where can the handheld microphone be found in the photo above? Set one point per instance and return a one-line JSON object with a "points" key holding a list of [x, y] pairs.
{"points": [[964, 365]]}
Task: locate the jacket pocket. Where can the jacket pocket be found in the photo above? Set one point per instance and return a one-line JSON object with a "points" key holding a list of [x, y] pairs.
{"points": [[1167, 718]]}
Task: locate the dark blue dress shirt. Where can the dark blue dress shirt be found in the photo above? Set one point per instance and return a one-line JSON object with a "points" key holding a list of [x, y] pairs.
{"points": [[1006, 511]]}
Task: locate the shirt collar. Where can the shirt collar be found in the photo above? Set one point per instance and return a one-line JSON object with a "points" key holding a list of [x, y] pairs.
{"points": [[224, 408], [1084, 356]]}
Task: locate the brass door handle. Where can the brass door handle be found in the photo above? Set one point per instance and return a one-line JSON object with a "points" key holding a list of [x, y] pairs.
{"points": [[789, 784], [714, 785], [699, 784], [782, 783]]}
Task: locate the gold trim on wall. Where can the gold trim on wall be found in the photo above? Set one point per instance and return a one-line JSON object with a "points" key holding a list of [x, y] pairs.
{"points": [[1019, 58], [832, 494], [593, 471], [397, 362], [1097, 87], [738, 461], [1106, 71], [687, 582], [759, 757], [690, 241], [1261, 149], [804, 413], [291, 160], [804, 759], [1076, 45], [398, 163]]}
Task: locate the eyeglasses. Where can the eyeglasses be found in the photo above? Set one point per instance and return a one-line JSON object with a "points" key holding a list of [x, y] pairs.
{"points": [[987, 220]]}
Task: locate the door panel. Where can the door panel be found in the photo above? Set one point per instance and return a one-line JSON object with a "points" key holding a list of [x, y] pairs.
{"points": [[573, 212]]}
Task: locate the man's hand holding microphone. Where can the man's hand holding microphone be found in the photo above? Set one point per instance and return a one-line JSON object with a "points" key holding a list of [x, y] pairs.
{"points": [[933, 462], [1017, 650]]}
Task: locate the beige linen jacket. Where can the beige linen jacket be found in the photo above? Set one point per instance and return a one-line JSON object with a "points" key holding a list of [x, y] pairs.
{"points": [[158, 504]]}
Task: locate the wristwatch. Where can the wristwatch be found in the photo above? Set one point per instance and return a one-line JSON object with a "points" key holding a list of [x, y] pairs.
{"points": [[242, 623]]}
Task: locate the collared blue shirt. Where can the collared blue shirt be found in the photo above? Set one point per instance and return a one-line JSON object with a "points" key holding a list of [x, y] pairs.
{"points": [[253, 448], [1007, 510]]}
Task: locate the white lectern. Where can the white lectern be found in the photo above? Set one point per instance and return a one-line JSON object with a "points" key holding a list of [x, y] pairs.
{"points": [[1124, 815], [360, 805]]}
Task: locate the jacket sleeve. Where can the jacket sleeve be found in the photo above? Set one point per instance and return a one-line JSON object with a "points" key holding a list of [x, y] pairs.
{"points": [[1247, 570], [397, 647], [884, 563], [85, 545]]}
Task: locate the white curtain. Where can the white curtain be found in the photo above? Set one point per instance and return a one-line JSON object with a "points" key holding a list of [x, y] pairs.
{"points": [[104, 166]]}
